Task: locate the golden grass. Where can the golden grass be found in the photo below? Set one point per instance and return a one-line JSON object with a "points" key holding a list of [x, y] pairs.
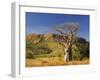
{"points": [[53, 61]]}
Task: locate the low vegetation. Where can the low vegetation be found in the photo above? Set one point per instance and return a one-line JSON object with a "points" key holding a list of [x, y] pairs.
{"points": [[53, 61]]}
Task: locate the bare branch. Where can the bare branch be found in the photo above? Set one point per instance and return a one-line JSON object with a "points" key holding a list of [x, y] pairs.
{"points": [[71, 27], [67, 31]]}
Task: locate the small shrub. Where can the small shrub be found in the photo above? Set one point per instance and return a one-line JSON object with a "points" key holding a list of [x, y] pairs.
{"points": [[29, 55]]}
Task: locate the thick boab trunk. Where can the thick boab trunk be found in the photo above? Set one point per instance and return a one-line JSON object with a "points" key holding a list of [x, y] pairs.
{"points": [[68, 54]]}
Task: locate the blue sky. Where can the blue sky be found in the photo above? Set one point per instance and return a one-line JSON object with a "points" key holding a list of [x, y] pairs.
{"points": [[41, 23]]}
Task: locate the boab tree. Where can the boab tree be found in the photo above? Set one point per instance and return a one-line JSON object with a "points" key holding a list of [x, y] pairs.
{"points": [[67, 33]]}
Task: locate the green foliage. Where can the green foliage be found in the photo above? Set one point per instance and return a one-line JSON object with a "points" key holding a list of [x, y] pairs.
{"points": [[29, 54], [84, 50], [40, 50], [75, 53], [83, 47], [37, 50]]}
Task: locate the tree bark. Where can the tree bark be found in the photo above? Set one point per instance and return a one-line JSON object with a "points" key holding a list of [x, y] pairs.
{"points": [[66, 55]]}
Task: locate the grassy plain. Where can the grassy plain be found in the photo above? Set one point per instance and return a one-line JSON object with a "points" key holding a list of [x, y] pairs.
{"points": [[53, 61]]}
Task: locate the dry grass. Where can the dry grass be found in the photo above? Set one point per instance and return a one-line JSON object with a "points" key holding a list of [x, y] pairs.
{"points": [[52, 62]]}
